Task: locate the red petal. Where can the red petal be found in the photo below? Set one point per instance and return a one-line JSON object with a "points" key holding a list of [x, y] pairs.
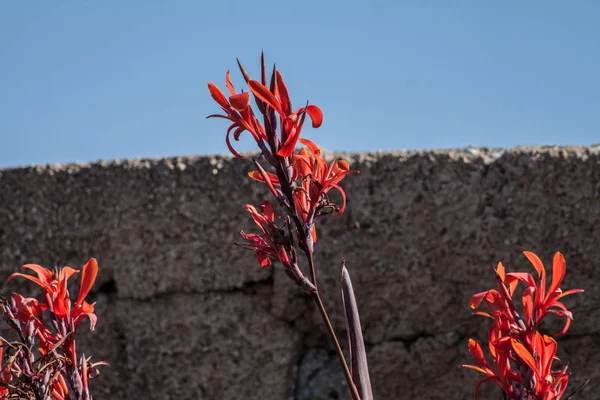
{"points": [[315, 115], [88, 277], [501, 271], [539, 267], [267, 210], [290, 144], [265, 95], [343, 199], [546, 348], [524, 277], [240, 101], [563, 312], [528, 304], [477, 354], [263, 259], [314, 149], [284, 97], [257, 217], [535, 260], [228, 142], [256, 175], [476, 299], [568, 292], [217, 95], [559, 268], [31, 278], [526, 356], [44, 274], [61, 305], [229, 85], [266, 178]]}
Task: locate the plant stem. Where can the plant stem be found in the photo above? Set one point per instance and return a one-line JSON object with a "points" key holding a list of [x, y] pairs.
{"points": [[311, 264], [340, 353]]}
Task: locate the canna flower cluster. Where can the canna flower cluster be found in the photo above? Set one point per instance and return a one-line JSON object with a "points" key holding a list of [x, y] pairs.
{"points": [[522, 357], [43, 363], [300, 181]]}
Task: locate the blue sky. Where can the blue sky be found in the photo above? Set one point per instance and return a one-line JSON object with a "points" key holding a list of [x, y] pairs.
{"points": [[83, 80]]}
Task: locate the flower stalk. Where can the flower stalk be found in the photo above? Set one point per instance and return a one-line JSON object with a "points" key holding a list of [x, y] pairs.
{"points": [[300, 181]]}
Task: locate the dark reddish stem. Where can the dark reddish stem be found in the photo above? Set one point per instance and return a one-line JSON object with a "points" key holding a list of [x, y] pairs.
{"points": [[340, 353]]}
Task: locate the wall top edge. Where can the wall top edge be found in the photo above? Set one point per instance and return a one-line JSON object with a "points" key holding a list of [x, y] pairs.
{"points": [[467, 154]]}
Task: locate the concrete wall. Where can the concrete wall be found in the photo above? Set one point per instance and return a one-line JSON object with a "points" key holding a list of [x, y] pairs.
{"points": [[183, 314]]}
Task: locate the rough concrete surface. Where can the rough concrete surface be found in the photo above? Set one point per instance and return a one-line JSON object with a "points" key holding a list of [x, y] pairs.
{"points": [[185, 315]]}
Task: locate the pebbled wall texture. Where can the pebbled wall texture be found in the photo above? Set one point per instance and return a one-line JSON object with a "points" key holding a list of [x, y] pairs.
{"points": [[183, 314]]}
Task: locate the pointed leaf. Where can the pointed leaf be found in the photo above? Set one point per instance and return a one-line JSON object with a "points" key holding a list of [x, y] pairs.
{"points": [[358, 356]]}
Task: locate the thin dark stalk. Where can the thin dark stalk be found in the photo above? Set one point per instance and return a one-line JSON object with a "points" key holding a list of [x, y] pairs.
{"points": [[311, 264], [340, 353]]}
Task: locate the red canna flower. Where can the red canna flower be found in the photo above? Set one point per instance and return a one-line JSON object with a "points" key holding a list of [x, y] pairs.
{"points": [[271, 244], [318, 178], [238, 112], [537, 303], [313, 178], [290, 122], [521, 356], [269, 101], [54, 288]]}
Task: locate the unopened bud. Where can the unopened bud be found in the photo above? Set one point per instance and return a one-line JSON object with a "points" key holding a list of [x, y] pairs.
{"points": [[306, 284], [76, 379], [30, 330]]}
